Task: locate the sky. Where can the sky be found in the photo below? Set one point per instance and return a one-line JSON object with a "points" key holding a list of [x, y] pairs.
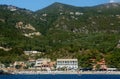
{"points": [[39, 4]]}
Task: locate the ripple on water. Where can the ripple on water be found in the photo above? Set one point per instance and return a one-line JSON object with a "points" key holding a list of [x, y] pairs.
{"points": [[60, 76]]}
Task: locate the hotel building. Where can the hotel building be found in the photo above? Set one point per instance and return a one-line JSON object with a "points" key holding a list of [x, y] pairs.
{"points": [[68, 63]]}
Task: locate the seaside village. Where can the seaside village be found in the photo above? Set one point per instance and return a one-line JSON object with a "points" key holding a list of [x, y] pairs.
{"points": [[45, 64]]}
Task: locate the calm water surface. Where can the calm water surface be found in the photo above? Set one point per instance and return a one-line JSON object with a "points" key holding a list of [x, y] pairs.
{"points": [[75, 76]]}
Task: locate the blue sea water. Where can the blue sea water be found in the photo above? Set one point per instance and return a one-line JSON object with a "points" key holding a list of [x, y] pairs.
{"points": [[60, 76]]}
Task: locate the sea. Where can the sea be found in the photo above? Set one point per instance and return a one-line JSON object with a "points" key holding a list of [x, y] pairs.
{"points": [[60, 76]]}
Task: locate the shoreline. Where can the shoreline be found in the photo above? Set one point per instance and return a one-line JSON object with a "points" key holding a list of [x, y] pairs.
{"points": [[68, 72]]}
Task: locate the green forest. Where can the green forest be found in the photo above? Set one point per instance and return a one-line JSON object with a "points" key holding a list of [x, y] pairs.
{"points": [[65, 32]]}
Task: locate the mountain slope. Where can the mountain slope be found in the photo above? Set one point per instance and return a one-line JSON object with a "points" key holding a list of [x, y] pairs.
{"points": [[62, 31], [93, 19]]}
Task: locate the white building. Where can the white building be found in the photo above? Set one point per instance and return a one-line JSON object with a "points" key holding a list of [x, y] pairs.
{"points": [[31, 52], [42, 63], [68, 63]]}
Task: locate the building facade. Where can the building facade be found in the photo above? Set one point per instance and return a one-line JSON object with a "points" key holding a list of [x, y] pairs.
{"points": [[68, 63], [42, 64]]}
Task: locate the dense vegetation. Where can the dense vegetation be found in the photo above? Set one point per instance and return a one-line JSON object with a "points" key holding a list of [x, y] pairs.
{"points": [[66, 32]]}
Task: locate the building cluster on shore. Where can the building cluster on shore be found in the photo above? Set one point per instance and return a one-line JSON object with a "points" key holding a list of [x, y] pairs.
{"points": [[45, 64]]}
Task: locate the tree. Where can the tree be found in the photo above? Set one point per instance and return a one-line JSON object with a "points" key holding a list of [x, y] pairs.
{"points": [[18, 66]]}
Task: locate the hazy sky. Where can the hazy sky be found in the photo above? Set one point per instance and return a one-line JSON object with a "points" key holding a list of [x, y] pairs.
{"points": [[39, 4]]}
